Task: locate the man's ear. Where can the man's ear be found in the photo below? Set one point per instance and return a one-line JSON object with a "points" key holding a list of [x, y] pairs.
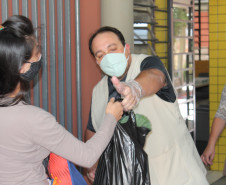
{"points": [[97, 63], [128, 48]]}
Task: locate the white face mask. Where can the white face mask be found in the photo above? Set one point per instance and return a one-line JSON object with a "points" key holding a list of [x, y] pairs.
{"points": [[114, 64]]}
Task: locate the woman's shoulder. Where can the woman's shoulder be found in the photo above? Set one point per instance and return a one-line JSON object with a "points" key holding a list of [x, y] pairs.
{"points": [[33, 111]]}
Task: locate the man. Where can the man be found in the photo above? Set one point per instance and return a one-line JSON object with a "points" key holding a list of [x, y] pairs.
{"points": [[144, 84]]}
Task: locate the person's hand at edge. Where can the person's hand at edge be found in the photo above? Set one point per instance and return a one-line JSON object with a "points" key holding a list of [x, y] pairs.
{"points": [[208, 155]]}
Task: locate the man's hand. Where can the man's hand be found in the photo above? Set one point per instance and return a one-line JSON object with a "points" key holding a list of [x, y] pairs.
{"points": [[130, 91]]}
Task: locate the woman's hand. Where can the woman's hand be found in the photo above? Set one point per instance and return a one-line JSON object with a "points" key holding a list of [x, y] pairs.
{"points": [[91, 173], [208, 155], [114, 108]]}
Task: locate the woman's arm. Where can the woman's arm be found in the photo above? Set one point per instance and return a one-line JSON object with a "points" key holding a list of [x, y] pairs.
{"points": [[86, 154], [209, 152], [52, 136]]}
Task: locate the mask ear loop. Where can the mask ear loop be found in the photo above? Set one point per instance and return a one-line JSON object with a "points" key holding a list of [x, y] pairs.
{"points": [[40, 56]]}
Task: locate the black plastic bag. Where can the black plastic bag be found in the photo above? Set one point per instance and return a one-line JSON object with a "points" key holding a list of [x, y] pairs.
{"points": [[124, 162]]}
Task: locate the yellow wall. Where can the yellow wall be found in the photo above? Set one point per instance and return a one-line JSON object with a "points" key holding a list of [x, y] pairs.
{"points": [[217, 70]]}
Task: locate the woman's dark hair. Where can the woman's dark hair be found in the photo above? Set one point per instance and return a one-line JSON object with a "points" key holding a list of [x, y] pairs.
{"points": [[17, 42], [106, 29]]}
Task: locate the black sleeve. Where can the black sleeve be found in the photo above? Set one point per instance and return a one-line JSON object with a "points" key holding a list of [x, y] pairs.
{"points": [[90, 124], [154, 62]]}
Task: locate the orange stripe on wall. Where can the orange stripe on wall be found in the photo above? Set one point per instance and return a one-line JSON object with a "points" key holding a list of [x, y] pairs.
{"points": [[90, 21], [10, 8], [29, 10], [20, 7]]}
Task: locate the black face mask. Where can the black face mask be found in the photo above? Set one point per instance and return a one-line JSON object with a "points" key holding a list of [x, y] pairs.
{"points": [[33, 71]]}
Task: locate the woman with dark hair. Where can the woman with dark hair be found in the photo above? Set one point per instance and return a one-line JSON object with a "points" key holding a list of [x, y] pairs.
{"points": [[28, 133]]}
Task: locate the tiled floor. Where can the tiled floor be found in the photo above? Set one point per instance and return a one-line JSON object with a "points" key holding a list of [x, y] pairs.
{"points": [[221, 181], [214, 176]]}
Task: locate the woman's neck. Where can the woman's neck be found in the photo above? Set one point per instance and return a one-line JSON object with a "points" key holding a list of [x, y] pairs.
{"points": [[15, 92]]}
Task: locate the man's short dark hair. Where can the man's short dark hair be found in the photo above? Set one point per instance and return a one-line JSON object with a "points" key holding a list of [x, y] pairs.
{"points": [[106, 29]]}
